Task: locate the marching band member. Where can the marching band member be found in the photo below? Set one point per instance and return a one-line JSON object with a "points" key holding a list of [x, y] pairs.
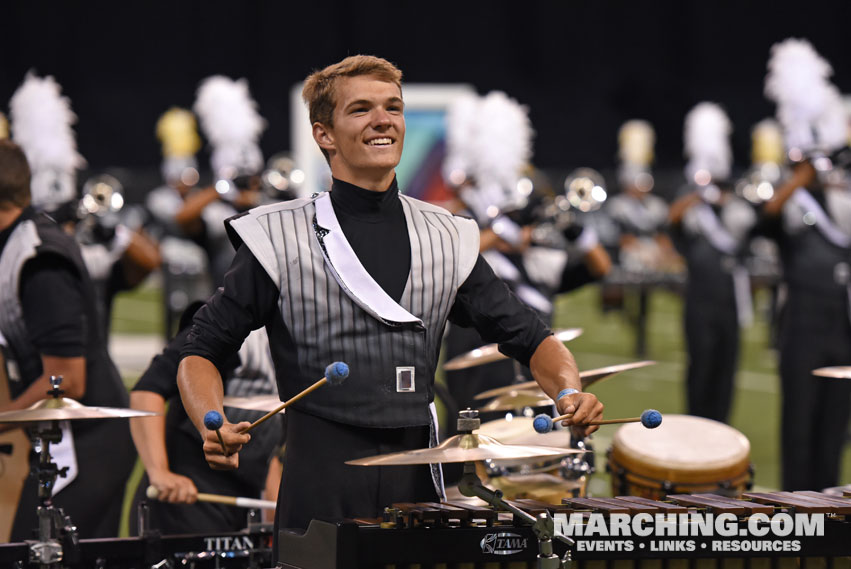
{"points": [[489, 145], [50, 321], [117, 257], [644, 247], [640, 214], [366, 275], [232, 125], [177, 216], [168, 444], [711, 226], [177, 131], [810, 217]]}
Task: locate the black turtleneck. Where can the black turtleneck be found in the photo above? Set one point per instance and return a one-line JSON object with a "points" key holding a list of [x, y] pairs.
{"points": [[374, 225]]}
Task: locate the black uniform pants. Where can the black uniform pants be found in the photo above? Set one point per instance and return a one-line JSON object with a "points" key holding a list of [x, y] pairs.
{"points": [[814, 332], [316, 482], [712, 338]]}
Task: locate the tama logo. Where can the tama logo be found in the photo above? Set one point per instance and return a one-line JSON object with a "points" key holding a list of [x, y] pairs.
{"points": [[228, 543], [503, 543]]}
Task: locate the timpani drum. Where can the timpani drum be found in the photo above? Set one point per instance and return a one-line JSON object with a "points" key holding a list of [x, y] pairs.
{"points": [[684, 455]]}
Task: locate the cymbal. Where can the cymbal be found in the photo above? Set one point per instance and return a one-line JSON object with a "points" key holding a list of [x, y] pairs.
{"points": [[264, 403], [462, 448], [835, 372], [520, 431], [589, 377], [490, 353], [517, 400], [65, 409]]}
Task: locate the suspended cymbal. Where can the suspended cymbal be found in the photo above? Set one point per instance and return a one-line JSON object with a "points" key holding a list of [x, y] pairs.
{"points": [[264, 403], [835, 372], [64, 409], [490, 353], [462, 448], [589, 377], [517, 400]]}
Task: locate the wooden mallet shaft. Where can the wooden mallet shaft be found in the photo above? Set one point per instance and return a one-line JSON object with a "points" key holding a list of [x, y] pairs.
{"points": [[602, 422], [285, 404], [334, 374], [238, 501]]}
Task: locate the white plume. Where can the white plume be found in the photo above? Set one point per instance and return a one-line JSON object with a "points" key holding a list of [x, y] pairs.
{"points": [[231, 123], [41, 124], [502, 146], [797, 82], [707, 142], [461, 119], [832, 125]]}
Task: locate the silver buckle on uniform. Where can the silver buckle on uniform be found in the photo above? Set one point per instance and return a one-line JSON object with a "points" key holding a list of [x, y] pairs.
{"points": [[405, 379]]}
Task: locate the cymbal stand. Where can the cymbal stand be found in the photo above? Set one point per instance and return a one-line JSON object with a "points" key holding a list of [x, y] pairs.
{"points": [[57, 535], [543, 526], [578, 466]]}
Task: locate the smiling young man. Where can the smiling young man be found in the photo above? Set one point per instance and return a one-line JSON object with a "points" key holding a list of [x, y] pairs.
{"points": [[369, 276]]}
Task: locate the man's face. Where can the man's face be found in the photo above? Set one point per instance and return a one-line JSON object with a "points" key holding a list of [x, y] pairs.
{"points": [[365, 143]]}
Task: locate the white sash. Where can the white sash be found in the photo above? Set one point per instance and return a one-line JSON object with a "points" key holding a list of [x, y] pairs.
{"points": [[349, 272], [824, 223]]}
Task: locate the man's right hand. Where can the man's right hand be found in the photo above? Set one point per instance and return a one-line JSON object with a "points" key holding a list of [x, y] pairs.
{"points": [[173, 488], [234, 440]]}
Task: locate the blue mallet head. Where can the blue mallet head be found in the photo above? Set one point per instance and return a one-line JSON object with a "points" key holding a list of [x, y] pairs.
{"points": [[651, 418], [336, 373], [213, 420], [542, 423]]}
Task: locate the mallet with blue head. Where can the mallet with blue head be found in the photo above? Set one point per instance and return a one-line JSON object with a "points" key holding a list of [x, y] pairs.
{"points": [[651, 419], [213, 421]]}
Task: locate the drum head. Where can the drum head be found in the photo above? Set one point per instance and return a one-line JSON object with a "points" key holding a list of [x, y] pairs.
{"points": [[683, 449]]}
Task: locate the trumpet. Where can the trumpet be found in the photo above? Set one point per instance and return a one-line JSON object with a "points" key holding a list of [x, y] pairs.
{"points": [[557, 216], [102, 195], [585, 190], [282, 179], [758, 184], [98, 210]]}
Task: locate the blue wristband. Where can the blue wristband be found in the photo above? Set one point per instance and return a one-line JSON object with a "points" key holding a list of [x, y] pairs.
{"points": [[566, 392]]}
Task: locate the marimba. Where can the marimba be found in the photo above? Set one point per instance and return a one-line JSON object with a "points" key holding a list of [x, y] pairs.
{"points": [[457, 534]]}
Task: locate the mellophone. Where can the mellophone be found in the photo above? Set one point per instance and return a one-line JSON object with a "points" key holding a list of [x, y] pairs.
{"points": [[424, 534]]}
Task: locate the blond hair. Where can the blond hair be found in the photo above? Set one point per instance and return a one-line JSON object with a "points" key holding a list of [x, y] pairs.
{"points": [[319, 87]]}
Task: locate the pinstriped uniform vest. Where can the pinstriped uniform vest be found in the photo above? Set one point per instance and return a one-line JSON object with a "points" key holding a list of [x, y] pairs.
{"points": [[334, 311]]}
